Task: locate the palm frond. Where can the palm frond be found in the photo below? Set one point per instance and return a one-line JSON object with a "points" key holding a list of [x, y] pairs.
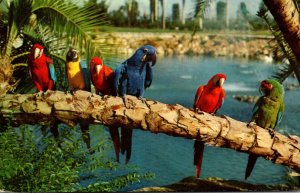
{"points": [[200, 6], [292, 65], [56, 24], [68, 20]]}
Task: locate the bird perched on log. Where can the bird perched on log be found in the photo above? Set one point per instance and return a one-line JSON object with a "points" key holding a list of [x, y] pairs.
{"points": [[209, 98], [78, 79], [41, 69], [267, 112], [42, 72], [103, 78], [132, 77]]}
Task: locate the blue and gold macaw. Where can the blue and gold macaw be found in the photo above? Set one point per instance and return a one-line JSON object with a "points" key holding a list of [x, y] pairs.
{"points": [[267, 112], [132, 77], [78, 79]]}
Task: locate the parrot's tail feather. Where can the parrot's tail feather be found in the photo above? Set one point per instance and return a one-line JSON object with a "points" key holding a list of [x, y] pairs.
{"points": [[126, 143], [55, 133], [198, 156], [54, 130], [84, 126], [114, 133], [123, 140], [251, 162]]}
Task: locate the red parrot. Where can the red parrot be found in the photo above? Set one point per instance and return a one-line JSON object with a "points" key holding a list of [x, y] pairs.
{"points": [[43, 75], [41, 69], [209, 98], [102, 78]]}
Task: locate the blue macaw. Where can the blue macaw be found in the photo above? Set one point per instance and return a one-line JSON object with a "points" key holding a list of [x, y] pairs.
{"points": [[79, 78], [132, 77]]}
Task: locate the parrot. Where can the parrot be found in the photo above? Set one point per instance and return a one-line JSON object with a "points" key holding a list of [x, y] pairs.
{"points": [[42, 72], [102, 78], [208, 98], [132, 77], [267, 112], [78, 79], [41, 69]]}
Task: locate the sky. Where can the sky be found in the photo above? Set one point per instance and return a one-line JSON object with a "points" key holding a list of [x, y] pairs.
{"points": [[252, 6]]}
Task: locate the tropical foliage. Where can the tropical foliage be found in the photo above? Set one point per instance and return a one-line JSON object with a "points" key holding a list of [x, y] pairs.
{"points": [[55, 24], [31, 164], [291, 65]]}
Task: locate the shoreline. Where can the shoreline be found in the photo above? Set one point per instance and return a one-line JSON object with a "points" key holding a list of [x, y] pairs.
{"points": [[247, 46]]}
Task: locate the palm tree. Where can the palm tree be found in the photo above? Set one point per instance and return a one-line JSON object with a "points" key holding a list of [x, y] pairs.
{"points": [[287, 34], [227, 15], [200, 6], [163, 23], [183, 12], [153, 10], [56, 24], [128, 6]]}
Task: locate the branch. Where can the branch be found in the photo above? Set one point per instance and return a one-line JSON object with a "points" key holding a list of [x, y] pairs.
{"points": [[153, 116]]}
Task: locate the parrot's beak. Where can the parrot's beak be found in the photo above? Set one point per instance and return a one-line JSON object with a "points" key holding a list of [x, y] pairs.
{"points": [[37, 53], [261, 90], [98, 68], [221, 82], [75, 55]]}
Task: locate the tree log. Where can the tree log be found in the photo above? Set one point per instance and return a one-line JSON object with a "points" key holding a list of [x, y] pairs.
{"points": [[149, 115]]}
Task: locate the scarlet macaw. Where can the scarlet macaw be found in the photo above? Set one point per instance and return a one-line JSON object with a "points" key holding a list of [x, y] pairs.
{"points": [[267, 112], [132, 77], [79, 79], [102, 78], [41, 69], [209, 98], [43, 75]]}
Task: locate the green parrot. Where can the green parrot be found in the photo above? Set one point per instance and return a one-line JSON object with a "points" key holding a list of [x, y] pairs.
{"points": [[267, 112]]}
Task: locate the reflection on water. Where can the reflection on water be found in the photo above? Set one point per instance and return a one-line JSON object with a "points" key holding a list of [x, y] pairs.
{"points": [[175, 82]]}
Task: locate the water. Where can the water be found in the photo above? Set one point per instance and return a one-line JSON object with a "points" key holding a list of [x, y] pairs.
{"points": [[176, 80]]}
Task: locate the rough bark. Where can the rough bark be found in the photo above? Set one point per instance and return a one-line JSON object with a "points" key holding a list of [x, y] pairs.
{"points": [[287, 18], [153, 116]]}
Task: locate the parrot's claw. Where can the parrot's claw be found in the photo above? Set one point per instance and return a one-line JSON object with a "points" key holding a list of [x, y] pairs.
{"points": [[272, 132], [39, 94], [199, 111], [91, 96], [72, 92], [251, 124], [142, 99]]}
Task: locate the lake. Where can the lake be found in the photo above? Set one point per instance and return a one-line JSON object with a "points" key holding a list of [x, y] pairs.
{"points": [[176, 80]]}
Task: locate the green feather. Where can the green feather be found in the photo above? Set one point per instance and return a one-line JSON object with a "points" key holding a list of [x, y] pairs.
{"points": [[268, 110]]}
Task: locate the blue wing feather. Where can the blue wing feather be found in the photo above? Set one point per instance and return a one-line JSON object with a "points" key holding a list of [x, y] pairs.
{"points": [[279, 114], [120, 80], [149, 75], [86, 76], [52, 73]]}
